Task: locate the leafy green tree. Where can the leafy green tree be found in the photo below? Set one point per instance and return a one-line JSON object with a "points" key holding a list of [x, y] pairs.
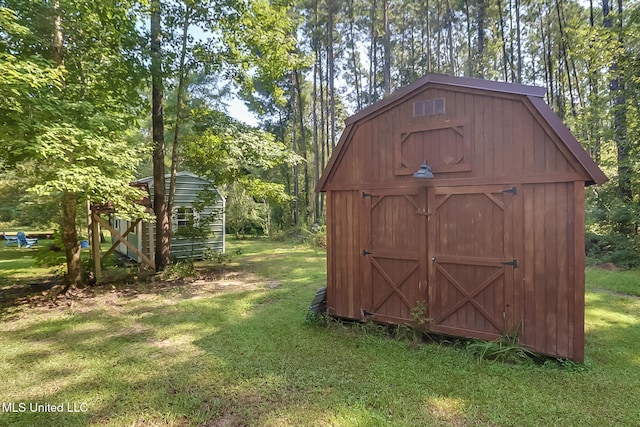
{"points": [[232, 154], [243, 214], [83, 59], [212, 47], [26, 80], [227, 151]]}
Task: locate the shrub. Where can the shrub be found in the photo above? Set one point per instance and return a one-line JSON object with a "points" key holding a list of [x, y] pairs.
{"points": [[316, 237], [612, 227], [317, 319], [621, 250], [181, 269], [319, 236], [52, 255], [296, 234]]}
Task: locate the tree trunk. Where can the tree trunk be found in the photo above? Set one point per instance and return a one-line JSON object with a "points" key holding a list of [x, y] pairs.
{"points": [[182, 77], [546, 56], [480, 61], [70, 239], [386, 42], [316, 148], [373, 57], [303, 146], [565, 56], [323, 119], [469, 68], [439, 36], [58, 42], [428, 36], [511, 48], [68, 225], [450, 37], [593, 94], [163, 229], [505, 60], [296, 189], [318, 126], [616, 87], [354, 57], [331, 76], [519, 42]]}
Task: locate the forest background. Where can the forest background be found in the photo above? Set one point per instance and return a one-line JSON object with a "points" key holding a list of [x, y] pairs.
{"points": [[80, 83]]}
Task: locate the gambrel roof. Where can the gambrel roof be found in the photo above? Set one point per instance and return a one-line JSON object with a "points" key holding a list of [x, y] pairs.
{"points": [[533, 95]]}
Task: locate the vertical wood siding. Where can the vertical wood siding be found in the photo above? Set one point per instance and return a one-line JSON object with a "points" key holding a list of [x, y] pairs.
{"points": [[507, 140], [483, 144], [550, 265], [344, 253]]}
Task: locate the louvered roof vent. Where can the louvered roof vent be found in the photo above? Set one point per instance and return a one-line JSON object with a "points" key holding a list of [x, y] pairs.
{"points": [[428, 107]]}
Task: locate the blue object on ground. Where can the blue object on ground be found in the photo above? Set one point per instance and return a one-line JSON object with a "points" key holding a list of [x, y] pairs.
{"points": [[23, 240], [10, 239]]}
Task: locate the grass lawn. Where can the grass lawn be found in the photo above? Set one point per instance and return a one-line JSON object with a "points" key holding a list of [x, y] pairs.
{"points": [[234, 350], [18, 264], [626, 282]]}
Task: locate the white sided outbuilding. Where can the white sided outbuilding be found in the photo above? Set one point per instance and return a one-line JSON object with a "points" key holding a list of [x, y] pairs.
{"points": [[188, 188]]}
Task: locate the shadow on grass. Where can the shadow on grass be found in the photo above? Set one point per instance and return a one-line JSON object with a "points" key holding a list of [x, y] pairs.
{"points": [[176, 357], [20, 277], [138, 352], [248, 359], [282, 369]]}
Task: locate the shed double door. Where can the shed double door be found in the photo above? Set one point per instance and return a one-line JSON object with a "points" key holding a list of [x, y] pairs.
{"points": [[448, 249], [472, 263]]}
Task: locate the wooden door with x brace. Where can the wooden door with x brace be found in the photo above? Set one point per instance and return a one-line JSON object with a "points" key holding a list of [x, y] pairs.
{"points": [[472, 261], [394, 255]]}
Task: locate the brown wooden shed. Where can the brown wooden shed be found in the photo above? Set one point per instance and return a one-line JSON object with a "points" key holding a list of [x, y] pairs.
{"points": [[491, 245]]}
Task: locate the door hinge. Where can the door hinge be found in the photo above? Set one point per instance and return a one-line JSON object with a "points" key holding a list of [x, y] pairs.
{"points": [[366, 252], [513, 263], [365, 195], [511, 190]]}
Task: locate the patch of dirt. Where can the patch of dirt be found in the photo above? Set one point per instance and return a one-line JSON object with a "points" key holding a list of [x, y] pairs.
{"points": [[227, 419], [231, 282], [607, 266], [21, 293], [115, 296]]}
